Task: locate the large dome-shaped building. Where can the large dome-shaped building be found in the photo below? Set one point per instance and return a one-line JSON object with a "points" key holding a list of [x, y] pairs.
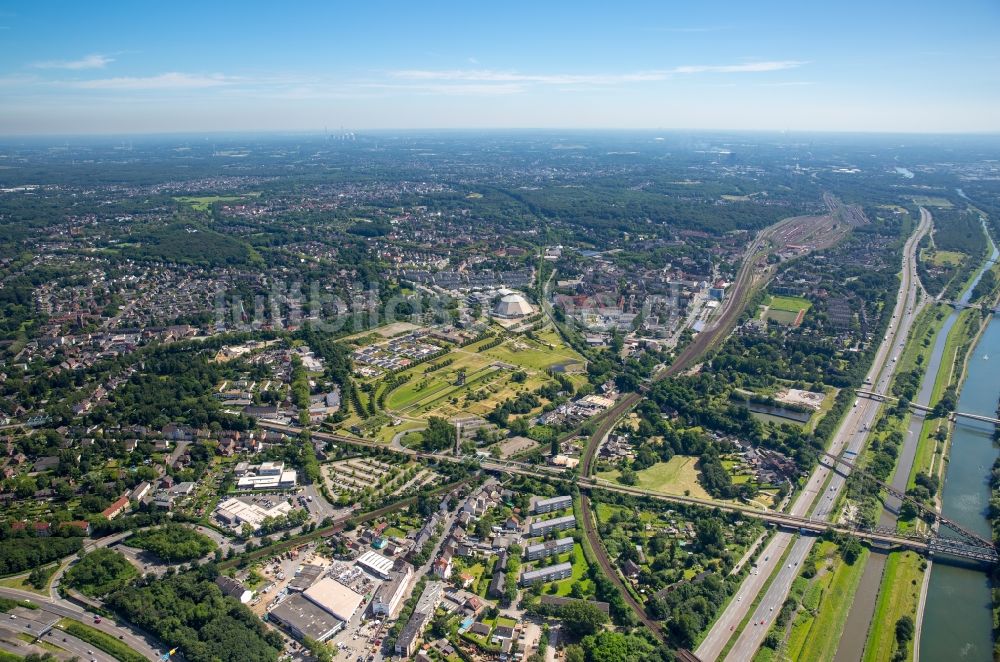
{"points": [[513, 306]]}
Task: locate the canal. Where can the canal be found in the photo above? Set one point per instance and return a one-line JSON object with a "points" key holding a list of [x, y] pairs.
{"points": [[935, 627], [958, 617]]}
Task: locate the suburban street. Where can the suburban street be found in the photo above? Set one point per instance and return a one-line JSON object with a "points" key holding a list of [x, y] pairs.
{"points": [[818, 495]]}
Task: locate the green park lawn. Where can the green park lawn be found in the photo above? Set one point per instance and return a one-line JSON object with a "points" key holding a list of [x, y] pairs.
{"points": [[580, 569], [898, 595], [677, 476]]}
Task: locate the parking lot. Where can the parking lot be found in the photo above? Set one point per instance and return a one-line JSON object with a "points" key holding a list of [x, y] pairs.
{"points": [[357, 641], [277, 574]]}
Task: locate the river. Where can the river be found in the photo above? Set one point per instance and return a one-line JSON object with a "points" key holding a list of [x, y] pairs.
{"points": [[958, 616]]}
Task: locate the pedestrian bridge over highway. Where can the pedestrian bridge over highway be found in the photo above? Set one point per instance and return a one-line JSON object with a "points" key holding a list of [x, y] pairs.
{"points": [[872, 395], [965, 304]]}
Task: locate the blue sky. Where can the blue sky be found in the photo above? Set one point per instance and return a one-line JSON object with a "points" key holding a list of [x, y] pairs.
{"points": [[878, 65]]}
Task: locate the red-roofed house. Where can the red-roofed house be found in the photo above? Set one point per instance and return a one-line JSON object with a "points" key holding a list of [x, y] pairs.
{"points": [[81, 525], [116, 509]]}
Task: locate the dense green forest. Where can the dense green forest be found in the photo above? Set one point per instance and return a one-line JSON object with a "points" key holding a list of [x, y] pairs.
{"points": [[189, 244], [100, 572], [190, 612], [173, 543]]}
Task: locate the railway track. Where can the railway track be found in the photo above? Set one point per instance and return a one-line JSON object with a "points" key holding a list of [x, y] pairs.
{"points": [[749, 277], [612, 573]]}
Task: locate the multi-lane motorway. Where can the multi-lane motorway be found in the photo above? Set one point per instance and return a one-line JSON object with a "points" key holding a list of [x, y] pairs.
{"points": [[50, 611], [822, 488]]}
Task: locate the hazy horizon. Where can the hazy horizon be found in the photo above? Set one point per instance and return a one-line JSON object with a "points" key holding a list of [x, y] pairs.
{"points": [[103, 68]]}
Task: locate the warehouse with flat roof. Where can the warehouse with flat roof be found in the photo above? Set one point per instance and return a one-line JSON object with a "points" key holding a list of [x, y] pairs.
{"points": [[304, 618], [334, 597], [305, 577]]}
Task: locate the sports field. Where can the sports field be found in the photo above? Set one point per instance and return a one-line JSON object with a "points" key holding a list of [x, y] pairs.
{"points": [[943, 258], [788, 311]]}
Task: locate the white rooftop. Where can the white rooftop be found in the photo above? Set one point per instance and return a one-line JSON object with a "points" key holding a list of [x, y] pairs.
{"points": [[334, 597], [375, 562]]}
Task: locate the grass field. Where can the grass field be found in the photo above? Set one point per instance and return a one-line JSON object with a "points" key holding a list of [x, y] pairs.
{"points": [[580, 569], [931, 201], [898, 595], [817, 630], [791, 304], [785, 310], [943, 258], [486, 384], [678, 476], [824, 408], [203, 203], [489, 379], [21, 582]]}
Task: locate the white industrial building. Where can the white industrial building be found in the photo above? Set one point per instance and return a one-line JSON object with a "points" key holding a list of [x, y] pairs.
{"points": [[267, 476], [390, 593], [376, 564], [236, 513], [335, 598]]}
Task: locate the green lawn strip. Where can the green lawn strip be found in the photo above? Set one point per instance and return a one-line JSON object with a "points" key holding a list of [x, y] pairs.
{"points": [[30, 638], [756, 601], [827, 622], [101, 640], [580, 568], [20, 582], [899, 594], [960, 336], [6, 604]]}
